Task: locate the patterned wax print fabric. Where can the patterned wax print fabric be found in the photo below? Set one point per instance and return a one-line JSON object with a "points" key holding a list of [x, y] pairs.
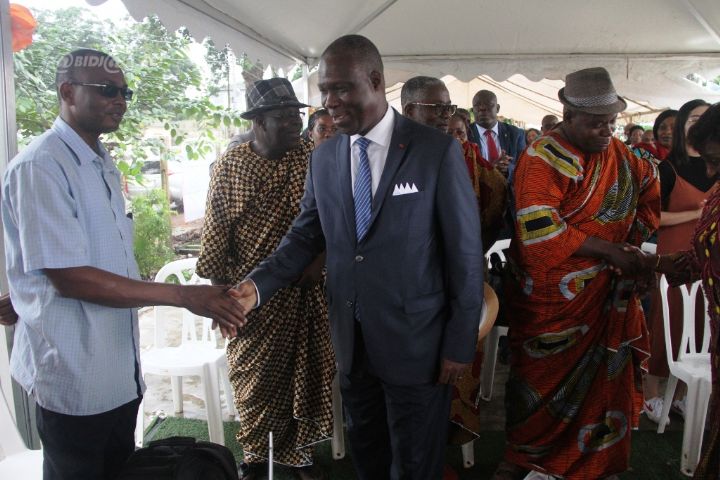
{"points": [[281, 363], [643, 150], [650, 150], [577, 332], [490, 189], [706, 244]]}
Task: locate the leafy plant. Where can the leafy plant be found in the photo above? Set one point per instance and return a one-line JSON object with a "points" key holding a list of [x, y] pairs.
{"points": [[151, 214], [169, 87]]}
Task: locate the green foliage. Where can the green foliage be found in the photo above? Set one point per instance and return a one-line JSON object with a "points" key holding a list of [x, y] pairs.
{"points": [[151, 214], [219, 62], [168, 86], [57, 33]]}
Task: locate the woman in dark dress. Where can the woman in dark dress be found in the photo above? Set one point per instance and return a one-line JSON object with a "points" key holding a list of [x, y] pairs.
{"points": [[684, 189], [702, 261]]}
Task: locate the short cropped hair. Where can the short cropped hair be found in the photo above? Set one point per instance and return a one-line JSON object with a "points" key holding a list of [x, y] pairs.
{"points": [[487, 93], [413, 89], [70, 64], [360, 48]]}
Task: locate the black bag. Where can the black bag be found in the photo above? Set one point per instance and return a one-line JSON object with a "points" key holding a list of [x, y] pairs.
{"points": [[180, 458]]}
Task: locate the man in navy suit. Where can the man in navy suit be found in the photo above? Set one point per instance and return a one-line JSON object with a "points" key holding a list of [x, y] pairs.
{"points": [[508, 141], [391, 202]]}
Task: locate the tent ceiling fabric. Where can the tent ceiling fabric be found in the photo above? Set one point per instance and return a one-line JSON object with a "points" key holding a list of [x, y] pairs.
{"points": [[648, 46]]}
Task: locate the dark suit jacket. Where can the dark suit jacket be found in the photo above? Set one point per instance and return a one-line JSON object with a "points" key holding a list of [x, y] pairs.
{"points": [[512, 139], [415, 280]]}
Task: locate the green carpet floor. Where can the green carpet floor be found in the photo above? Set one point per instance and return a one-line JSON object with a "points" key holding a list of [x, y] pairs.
{"points": [[653, 456]]}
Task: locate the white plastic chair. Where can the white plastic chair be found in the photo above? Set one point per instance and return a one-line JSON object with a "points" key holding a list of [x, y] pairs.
{"points": [[194, 356], [692, 367], [18, 461], [488, 314], [487, 373]]}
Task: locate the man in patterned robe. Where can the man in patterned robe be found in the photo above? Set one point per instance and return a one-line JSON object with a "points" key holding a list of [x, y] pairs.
{"points": [[281, 363], [577, 332]]}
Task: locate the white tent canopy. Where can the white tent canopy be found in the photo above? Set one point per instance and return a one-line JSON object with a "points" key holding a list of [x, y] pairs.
{"points": [[649, 46]]}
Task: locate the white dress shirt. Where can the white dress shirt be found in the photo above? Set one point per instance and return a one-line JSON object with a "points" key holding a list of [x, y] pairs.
{"points": [[379, 136]]}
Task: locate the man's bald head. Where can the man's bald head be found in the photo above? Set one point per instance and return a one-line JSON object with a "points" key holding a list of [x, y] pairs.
{"points": [[352, 84], [359, 48], [484, 95], [486, 108]]}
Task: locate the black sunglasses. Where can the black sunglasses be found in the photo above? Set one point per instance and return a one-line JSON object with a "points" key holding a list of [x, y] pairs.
{"points": [[109, 91]]}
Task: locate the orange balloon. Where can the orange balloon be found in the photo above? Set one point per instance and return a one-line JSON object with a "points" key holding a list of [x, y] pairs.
{"points": [[23, 25]]}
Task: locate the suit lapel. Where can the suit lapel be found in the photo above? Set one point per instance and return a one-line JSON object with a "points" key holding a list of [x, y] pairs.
{"points": [[396, 153], [342, 157], [504, 140]]}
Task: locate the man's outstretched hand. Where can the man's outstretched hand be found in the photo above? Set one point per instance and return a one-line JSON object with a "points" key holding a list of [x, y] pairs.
{"points": [[245, 294], [245, 297]]}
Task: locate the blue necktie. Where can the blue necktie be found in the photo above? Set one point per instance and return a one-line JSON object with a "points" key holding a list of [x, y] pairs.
{"points": [[363, 191]]}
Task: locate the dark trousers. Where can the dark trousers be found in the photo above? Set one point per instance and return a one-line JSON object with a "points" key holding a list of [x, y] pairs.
{"points": [[92, 447], [395, 432]]}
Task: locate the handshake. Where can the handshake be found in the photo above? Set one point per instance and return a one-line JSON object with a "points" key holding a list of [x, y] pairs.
{"points": [[227, 306]]}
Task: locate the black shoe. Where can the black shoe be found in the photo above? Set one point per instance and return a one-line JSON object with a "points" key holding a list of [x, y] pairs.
{"points": [[252, 471]]}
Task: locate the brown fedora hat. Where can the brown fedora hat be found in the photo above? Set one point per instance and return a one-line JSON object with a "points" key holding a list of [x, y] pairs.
{"points": [[270, 94], [591, 91]]}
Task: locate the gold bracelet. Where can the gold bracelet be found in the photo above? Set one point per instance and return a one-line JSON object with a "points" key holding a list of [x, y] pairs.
{"points": [[657, 264]]}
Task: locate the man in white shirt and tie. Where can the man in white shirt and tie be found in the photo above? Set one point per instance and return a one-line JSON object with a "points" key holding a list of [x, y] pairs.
{"points": [[500, 143], [391, 202]]}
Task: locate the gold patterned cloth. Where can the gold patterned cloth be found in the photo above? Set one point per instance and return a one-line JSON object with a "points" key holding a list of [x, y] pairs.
{"points": [[281, 363]]}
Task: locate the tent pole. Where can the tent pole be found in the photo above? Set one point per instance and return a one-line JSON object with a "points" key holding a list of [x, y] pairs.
{"points": [[306, 83], [7, 147], [18, 401]]}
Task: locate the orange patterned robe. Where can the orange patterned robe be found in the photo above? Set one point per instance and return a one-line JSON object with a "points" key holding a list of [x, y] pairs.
{"points": [[577, 332]]}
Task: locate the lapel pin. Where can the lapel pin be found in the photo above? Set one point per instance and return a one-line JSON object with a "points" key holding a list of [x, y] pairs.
{"points": [[402, 145]]}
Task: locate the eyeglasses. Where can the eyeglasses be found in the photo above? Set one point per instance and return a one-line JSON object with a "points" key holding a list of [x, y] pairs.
{"points": [[108, 91], [440, 108], [286, 115]]}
